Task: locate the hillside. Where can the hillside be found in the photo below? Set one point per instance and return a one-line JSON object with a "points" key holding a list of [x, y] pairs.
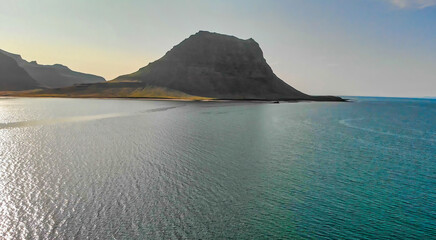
{"points": [[53, 76], [13, 77]]}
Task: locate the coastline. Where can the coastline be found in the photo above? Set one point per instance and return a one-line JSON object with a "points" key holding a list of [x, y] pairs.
{"points": [[9, 95]]}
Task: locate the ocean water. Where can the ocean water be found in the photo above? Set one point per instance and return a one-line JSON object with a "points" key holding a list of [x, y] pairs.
{"points": [[134, 169]]}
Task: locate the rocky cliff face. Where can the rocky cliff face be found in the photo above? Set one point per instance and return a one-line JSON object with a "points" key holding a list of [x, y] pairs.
{"points": [[218, 66], [13, 77], [53, 76]]}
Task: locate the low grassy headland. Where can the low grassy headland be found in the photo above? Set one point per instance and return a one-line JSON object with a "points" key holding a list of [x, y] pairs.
{"points": [[112, 90]]}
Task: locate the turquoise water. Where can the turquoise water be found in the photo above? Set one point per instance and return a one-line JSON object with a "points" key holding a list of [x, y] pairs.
{"points": [[132, 169]]}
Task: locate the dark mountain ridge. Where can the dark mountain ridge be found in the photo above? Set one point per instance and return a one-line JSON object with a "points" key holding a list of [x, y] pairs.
{"points": [[53, 76], [13, 77]]}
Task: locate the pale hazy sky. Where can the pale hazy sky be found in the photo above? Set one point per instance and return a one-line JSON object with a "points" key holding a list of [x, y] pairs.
{"points": [[344, 47]]}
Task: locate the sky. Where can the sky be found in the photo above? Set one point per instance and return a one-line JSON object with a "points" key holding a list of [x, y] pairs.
{"points": [[337, 47]]}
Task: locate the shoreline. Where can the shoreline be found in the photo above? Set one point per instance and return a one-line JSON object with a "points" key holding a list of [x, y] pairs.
{"points": [[181, 99]]}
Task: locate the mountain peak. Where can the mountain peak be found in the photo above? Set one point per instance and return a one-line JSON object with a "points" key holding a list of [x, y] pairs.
{"points": [[13, 55], [57, 65], [207, 34]]}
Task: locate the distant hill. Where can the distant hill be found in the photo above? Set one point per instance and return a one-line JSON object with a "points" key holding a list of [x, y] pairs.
{"points": [[13, 77], [205, 65], [53, 76]]}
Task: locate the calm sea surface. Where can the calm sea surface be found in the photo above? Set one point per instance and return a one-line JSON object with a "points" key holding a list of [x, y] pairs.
{"points": [[133, 169]]}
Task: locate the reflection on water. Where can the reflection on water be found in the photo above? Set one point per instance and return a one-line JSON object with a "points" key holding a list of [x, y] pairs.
{"points": [[123, 169], [58, 120], [32, 123]]}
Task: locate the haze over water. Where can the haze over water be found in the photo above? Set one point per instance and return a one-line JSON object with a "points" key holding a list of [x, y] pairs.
{"points": [[132, 169]]}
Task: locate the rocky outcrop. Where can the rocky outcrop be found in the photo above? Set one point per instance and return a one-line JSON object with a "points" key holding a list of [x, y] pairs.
{"points": [[13, 77], [53, 76]]}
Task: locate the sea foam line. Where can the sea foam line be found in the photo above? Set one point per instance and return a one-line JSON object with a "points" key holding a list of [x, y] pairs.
{"points": [[346, 123]]}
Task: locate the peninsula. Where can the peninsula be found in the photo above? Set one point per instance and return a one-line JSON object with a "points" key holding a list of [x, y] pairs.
{"points": [[204, 66]]}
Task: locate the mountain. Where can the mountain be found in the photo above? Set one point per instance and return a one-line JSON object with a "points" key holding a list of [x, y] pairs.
{"points": [[205, 65], [217, 66], [13, 77], [53, 76]]}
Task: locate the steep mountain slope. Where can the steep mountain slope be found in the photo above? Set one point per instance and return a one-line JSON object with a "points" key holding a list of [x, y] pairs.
{"points": [[53, 76], [13, 77]]}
